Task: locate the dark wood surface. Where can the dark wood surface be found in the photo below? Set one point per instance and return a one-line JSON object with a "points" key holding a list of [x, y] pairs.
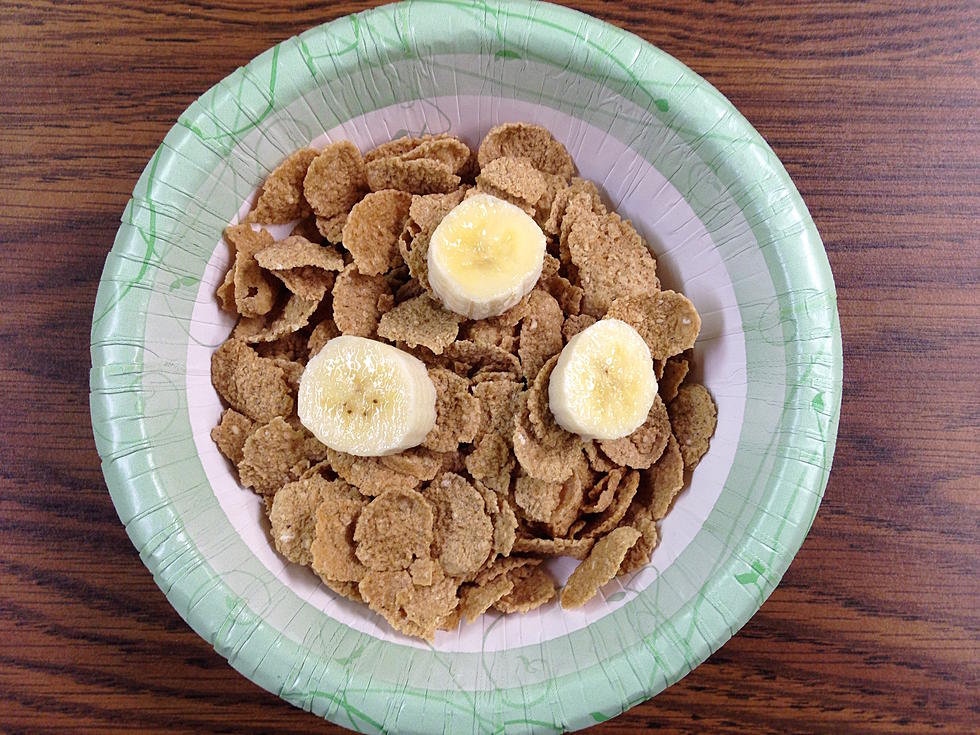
{"points": [[873, 108]]}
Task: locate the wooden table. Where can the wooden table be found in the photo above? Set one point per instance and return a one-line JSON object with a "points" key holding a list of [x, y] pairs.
{"points": [[873, 108]]}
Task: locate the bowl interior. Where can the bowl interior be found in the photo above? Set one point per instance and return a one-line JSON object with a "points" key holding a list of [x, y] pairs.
{"points": [[670, 153]]}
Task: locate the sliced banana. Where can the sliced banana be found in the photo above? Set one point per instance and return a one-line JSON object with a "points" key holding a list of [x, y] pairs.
{"points": [[603, 384], [484, 256], [366, 398]]}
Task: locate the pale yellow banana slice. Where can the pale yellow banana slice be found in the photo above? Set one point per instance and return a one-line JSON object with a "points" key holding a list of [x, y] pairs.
{"points": [[366, 398], [603, 384], [484, 256]]}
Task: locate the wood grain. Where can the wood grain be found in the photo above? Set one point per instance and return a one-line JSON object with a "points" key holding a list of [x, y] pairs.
{"points": [[872, 107]]}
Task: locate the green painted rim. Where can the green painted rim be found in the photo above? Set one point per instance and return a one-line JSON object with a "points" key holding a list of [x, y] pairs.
{"points": [[221, 149]]}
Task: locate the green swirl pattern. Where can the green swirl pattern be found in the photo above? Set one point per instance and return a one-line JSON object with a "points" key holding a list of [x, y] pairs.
{"points": [[219, 152]]}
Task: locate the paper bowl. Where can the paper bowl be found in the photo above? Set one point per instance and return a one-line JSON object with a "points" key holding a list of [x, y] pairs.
{"points": [[728, 228]]}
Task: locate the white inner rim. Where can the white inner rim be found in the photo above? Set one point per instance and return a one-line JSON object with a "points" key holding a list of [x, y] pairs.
{"points": [[687, 259]]}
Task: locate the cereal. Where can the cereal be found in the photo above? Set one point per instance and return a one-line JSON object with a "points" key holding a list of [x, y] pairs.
{"points": [[575, 324], [599, 567], [231, 432], [532, 588], [438, 534], [273, 455], [252, 385], [463, 531], [550, 457], [359, 301], [536, 498], [332, 228], [295, 315], [610, 518], [372, 230], [540, 332], [664, 480], [282, 199], [295, 252], [332, 554], [674, 372], [420, 321], [576, 548], [292, 518], [255, 291], [368, 474], [458, 413], [335, 181], [513, 179], [476, 600], [694, 417], [306, 228], [666, 320], [645, 445], [530, 141], [321, 334], [420, 176], [393, 530]]}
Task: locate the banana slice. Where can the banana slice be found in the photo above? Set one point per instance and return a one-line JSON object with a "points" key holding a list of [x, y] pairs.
{"points": [[366, 398], [603, 384], [484, 256]]}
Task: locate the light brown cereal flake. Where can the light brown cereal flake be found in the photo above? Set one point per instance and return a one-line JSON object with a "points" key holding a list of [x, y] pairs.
{"points": [[532, 588], [569, 506], [600, 495], [694, 417], [548, 458], [332, 549], [335, 181], [282, 199], [443, 148], [321, 334], [292, 518], [491, 461], [475, 600], [504, 565], [289, 347], [418, 462], [599, 567], [255, 291], [226, 292], [393, 148], [597, 460], [292, 371], [332, 228], [674, 372], [645, 445], [576, 548], [273, 455], [490, 333], [368, 475], [231, 432], [639, 553], [575, 324], [359, 301], [530, 141], [420, 321], [344, 589], [592, 201], [538, 409], [252, 385], [513, 179], [661, 483], [295, 252], [540, 332], [569, 296], [424, 571], [537, 499], [419, 176], [410, 609], [306, 228], [468, 357], [372, 230], [393, 530], [295, 315], [667, 321], [458, 413], [608, 267], [610, 518]]}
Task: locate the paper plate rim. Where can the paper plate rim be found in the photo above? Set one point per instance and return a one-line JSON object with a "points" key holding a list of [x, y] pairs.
{"points": [[608, 701]]}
